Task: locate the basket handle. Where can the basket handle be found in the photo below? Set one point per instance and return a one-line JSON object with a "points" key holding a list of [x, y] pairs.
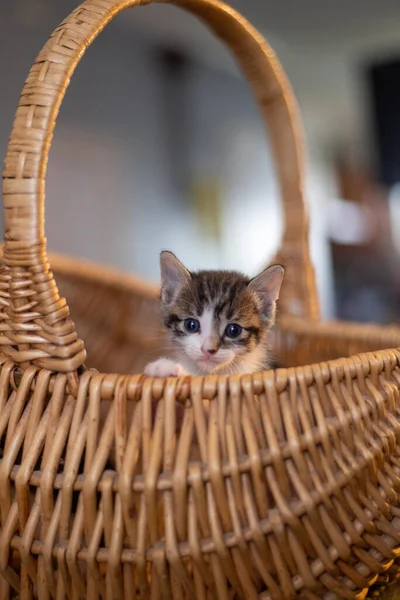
{"points": [[35, 323]]}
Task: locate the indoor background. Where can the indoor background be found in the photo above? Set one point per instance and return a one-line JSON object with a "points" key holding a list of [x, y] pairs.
{"points": [[159, 143]]}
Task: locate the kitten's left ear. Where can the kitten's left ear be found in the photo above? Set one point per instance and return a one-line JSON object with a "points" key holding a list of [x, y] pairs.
{"points": [[267, 286]]}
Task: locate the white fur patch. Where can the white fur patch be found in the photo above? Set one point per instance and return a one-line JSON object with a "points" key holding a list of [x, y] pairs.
{"points": [[164, 367], [207, 324]]}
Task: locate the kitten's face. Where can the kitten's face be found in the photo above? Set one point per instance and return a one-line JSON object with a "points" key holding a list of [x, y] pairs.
{"points": [[217, 319]]}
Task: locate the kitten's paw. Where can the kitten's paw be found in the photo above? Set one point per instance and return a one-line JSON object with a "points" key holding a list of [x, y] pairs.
{"points": [[163, 367]]}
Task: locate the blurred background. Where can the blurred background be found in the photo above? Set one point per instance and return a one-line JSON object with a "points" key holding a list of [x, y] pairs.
{"points": [[160, 145]]}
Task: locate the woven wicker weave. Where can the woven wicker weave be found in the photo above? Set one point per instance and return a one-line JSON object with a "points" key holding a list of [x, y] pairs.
{"points": [[287, 486]]}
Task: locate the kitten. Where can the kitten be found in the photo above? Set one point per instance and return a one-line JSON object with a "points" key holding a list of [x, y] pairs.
{"points": [[218, 320]]}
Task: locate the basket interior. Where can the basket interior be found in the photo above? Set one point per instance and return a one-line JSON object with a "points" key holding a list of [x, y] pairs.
{"points": [[118, 319]]}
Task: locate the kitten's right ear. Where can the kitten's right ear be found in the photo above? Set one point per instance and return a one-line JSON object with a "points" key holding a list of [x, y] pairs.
{"points": [[267, 286], [174, 275]]}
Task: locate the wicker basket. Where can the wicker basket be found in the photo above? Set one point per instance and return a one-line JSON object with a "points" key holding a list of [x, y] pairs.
{"points": [[288, 486]]}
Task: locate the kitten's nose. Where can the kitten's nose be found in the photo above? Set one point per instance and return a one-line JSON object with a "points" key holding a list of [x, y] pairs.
{"points": [[211, 350], [209, 347]]}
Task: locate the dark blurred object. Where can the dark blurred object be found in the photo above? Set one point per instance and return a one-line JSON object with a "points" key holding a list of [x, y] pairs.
{"points": [[384, 81], [174, 66], [352, 182], [364, 271]]}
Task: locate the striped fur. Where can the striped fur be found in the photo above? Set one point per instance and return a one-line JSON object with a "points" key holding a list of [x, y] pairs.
{"points": [[216, 299]]}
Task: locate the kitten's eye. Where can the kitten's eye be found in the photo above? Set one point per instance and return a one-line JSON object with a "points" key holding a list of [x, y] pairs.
{"points": [[233, 331], [192, 325]]}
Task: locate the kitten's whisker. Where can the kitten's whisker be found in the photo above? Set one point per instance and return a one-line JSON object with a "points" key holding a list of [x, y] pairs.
{"points": [[162, 350]]}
